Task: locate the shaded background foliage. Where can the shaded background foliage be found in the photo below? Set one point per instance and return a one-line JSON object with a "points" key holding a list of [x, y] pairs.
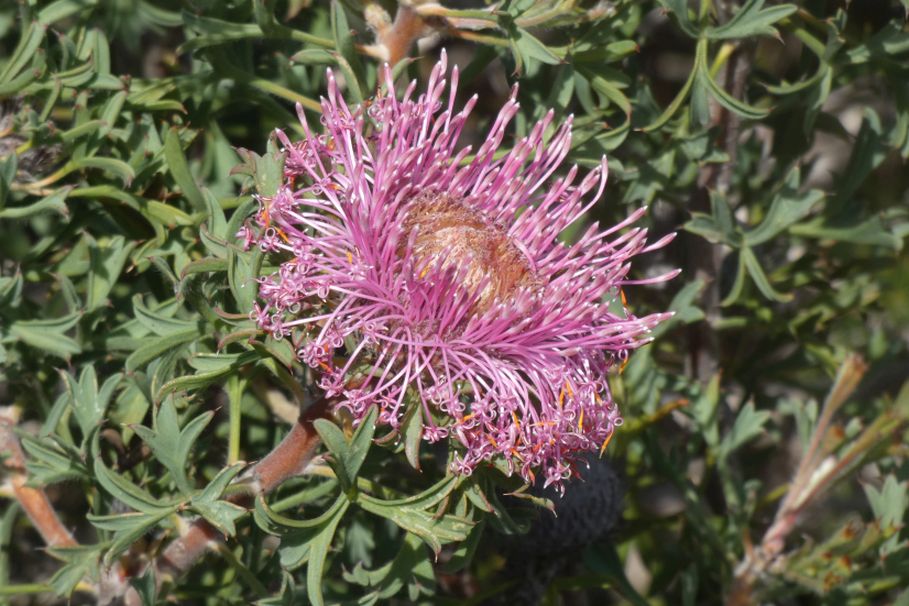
{"points": [[773, 136]]}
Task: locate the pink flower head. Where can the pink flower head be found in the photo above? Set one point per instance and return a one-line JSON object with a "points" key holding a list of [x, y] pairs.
{"points": [[421, 274]]}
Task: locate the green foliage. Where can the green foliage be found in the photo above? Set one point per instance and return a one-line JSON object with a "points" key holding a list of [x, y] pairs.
{"points": [[773, 136]]}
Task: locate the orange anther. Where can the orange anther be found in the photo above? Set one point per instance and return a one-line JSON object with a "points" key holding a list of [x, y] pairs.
{"points": [[624, 364], [605, 444]]}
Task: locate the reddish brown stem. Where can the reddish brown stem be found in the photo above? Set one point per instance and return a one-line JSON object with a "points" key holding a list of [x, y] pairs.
{"points": [[398, 38], [34, 501]]}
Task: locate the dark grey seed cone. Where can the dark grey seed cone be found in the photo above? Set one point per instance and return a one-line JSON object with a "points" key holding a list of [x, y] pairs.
{"points": [[587, 513]]}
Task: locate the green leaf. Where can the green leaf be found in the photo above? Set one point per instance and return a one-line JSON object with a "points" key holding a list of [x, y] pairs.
{"points": [[603, 559], [752, 20], [62, 9], [679, 8], [88, 402], [722, 97], [760, 278], [128, 528], [430, 497], [242, 270], [217, 223], [29, 42], [105, 265], [158, 323], [434, 529], [719, 227], [170, 444], [611, 89], [318, 552], [748, 425], [313, 56], [81, 563], [889, 505], [673, 107], [111, 112], [413, 435], [215, 31], [346, 53], [685, 307], [274, 523], [155, 347], [179, 169], [738, 284], [788, 207], [891, 41], [127, 492], [527, 49], [208, 504], [48, 334], [53, 202], [704, 410], [348, 456], [870, 231], [146, 586], [112, 165], [50, 460], [230, 363]]}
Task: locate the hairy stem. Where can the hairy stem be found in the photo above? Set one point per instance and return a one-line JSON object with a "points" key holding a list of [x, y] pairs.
{"points": [[34, 501]]}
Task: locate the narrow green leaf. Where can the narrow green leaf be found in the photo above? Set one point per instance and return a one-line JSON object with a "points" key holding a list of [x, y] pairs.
{"points": [[155, 347], [125, 537], [760, 278], [345, 51], [679, 8], [435, 530], [111, 112], [788, 207], [106, 262], [673, 107], [53, 202], [62, 9], [127, 492], [413, 435], [31, 38], [158, 323], [738, 284], [111, 165], [751, 20], [242, 270], [318, 552], [723, 98], [871, 231], [179, 169], [334, 440], [171, 444], [748, 425], [48, 334]]}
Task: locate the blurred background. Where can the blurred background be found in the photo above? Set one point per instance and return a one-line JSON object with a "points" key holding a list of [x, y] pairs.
{"points": [[763, 458]]}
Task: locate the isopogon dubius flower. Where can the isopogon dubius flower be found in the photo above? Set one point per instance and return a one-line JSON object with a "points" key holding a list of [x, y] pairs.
{"points": [[427, 278]]}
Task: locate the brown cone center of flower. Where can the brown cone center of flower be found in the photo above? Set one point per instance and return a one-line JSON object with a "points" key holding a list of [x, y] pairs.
{"points": [[446, 233]]}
